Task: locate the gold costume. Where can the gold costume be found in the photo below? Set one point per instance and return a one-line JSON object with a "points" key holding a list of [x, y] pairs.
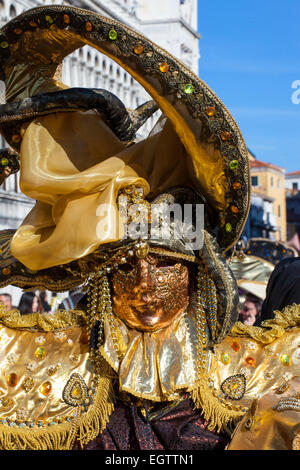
{"points": [[65, 374]]}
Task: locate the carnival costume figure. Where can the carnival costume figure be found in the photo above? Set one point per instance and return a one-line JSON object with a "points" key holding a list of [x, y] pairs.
{"points": [[152, 358]]}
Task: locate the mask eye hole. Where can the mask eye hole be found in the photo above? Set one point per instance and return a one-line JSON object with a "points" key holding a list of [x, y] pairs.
{"points": [[125, 268], [165, 263]]}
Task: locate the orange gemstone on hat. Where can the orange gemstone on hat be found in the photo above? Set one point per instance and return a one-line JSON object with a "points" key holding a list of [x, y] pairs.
{"points": [[33, 23], [250, 361], [18, 31], [12, 379], [163, 67], [88, 26], [138, 49], [66, 19], [225, 135], [236, 185], [16, 138], [210, 111], [46, 388], [234, 209], [6, 271]]}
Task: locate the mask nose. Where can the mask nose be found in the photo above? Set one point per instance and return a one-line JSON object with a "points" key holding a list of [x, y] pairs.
{"points": [[144, 278]]}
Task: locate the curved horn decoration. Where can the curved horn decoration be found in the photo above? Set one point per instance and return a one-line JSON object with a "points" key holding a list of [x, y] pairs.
{"points": [[122, 122]]}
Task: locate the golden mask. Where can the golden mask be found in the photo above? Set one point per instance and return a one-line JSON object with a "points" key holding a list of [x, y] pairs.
{"points": [[149, 293]]}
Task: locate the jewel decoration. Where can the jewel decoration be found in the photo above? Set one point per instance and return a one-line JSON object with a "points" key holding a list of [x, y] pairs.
{"points": [[250, 361], [49, 19], [234, 387], [88, 26], [16, 138], [225, 136], [234, 209], [113, 34], [18, 31], [286, 359], [237, 185], [4, 44], [6, 271], [27, 384], [76, 392], [52, 369], [40, 353], [4, 161], [33, 24], [228, 227], [12, 379], [163, 67], [225, 358], [188, 89], [210, 111], [233, 164], [66, 19], [283, 388], [235, 346], [46, 388], [138, 49]]}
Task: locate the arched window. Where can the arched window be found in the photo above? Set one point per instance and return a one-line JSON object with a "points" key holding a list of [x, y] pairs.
{"points": [[12, 11]]}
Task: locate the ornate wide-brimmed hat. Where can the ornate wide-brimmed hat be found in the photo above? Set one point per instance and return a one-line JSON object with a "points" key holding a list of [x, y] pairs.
{"points": [[32, 48], [196, 144]]}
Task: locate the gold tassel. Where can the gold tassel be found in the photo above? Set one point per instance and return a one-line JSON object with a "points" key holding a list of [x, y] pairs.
{"points": [[62, 436], [213, 410]]}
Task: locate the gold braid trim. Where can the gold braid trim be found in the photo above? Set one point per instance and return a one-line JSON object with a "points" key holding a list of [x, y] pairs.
{"points": [[218, 414], [62, 436], [41, 321], [288, 318]]}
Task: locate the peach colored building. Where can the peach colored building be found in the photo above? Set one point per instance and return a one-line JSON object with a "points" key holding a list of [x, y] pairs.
{"points": [[268, 180]]}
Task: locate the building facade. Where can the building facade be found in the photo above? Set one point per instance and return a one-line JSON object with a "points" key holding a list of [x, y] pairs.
{"points": [[268, 183]]}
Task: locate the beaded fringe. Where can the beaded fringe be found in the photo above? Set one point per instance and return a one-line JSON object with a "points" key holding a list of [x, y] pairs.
{"points": [[62, 436], [217, 414]]}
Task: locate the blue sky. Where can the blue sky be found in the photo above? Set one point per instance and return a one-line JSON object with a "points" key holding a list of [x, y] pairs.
{"points": [[250, 56]]}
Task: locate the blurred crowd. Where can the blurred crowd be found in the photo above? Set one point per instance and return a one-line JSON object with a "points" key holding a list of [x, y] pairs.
{"points": [[39, 302]]}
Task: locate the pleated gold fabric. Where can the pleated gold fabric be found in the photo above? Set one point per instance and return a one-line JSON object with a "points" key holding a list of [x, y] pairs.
{"points": [[265, 428], [154, 365]]}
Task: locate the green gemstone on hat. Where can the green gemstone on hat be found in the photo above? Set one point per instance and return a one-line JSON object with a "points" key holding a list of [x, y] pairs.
{"points": [[49, 19], [4, 44], [4, 161], [228, 227], [188, 89], [233, 164], [113, 34]]}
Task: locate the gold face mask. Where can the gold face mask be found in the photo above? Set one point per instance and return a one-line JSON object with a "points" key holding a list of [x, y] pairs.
{"points": [[150, 293]]}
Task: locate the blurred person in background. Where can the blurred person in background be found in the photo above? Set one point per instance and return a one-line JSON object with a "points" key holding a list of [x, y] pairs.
{"points": [[250, 311], [6, 299], [30, 303], [44, 298]]}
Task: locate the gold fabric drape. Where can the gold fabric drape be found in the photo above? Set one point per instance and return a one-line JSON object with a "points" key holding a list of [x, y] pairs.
{"points": [[73, 165]]}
